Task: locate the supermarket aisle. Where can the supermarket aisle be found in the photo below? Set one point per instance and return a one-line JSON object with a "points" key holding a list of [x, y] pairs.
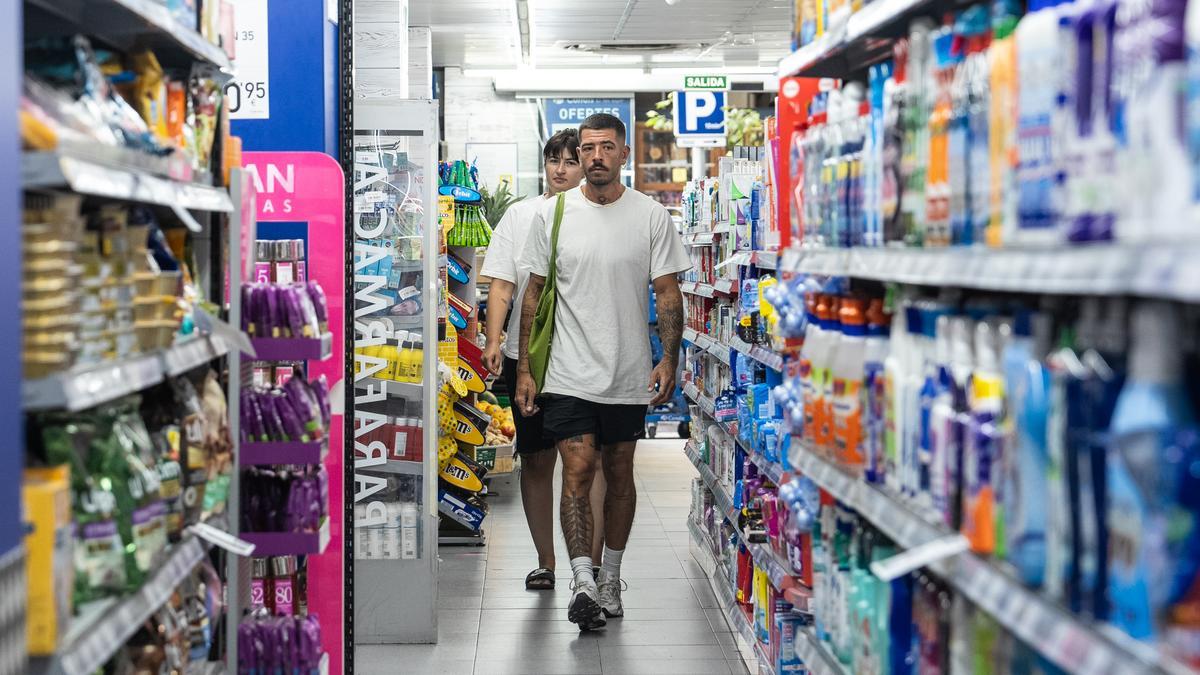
{"points": [[490, 625]]}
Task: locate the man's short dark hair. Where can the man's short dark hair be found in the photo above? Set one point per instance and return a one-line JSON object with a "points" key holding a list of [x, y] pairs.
{"points": [[603, 121], [564, 144]]}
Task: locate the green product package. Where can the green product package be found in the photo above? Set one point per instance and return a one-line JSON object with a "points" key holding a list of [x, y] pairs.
{"points": [[99, 552], [542, 332]]}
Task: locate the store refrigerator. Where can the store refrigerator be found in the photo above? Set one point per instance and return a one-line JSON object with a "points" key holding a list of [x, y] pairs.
{"points": [[398, 295]]}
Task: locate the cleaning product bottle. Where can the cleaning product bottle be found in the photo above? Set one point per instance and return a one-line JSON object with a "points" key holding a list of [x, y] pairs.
{"points": [[847, 372], [1038, 63], [914, 371], [1027, 393], [983, 447], [915, 148], [1064, 367], [977, 208], [894, 92], [812, 336], [1151, 522], [893, 412], [1002, 123], [937, 182], [941, 423], [824, 367], [874, 391], [926, 395], [962, 367]]}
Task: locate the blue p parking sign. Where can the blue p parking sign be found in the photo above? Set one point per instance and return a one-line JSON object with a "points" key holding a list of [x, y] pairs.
{"points": [[700, 118]]}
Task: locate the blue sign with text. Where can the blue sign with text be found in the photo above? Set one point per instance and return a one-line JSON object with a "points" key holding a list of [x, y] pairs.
{"points": [[568, 113], [699, 113]]}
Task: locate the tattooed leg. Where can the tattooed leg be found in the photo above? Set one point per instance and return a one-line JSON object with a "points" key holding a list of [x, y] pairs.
{"points": [[620, 502], [579, 467]]}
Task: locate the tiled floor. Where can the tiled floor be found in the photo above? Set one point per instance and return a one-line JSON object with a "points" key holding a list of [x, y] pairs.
{"points": [[489, 624]]}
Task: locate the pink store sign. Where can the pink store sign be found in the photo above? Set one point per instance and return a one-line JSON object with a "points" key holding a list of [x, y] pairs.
{"points": [[309, 187]]}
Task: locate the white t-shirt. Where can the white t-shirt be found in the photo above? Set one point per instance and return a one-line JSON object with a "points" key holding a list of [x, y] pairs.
{"points": [[503, 254], [607, 257]]}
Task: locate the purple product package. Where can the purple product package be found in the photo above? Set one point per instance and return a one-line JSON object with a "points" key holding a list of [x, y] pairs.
{"points": [[273, 317], [247, 663], [309, 637], [272, 424], [306, 406], [312, 326], [293, 311], [320, 389], [283, 642], [292, 426], [320, 304]]}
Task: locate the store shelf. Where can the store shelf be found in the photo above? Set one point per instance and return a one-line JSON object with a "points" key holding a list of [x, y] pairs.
{"points": [[1065, 639], [89, 386], [113, 174], [778, 570], [1161, 271], [765, 666], [696, 288], [766, 260], [721, 585], [814, 654], [706, 404], [768, 358], [103, 626], [289, 543], [397, 466], [126, 24], [192, 354], [721, 499], [257, 454], [850, 45], [293, 349], [699, 238], [410, 391]]}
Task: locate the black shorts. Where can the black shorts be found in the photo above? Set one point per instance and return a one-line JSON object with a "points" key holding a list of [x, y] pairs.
{"points": [[567, 416], [531, 437]]}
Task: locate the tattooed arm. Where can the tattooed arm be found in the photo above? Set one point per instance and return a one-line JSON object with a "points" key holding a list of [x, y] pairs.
{"points": [[526, 388], [669, 304]]}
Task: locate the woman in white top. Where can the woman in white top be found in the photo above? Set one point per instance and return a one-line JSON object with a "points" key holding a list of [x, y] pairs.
{"points": [[508, 281]]}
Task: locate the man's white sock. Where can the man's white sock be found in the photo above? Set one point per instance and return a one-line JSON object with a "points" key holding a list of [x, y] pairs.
{"points": [[611, 567], [582, 569]]}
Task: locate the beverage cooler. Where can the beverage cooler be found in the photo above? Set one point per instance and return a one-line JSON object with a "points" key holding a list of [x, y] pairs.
{"points": [[398, 269]]}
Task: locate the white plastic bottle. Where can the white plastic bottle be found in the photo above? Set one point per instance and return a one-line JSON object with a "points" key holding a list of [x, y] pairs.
{"points": [[847, 379], [895, 423], [1038, 62]]}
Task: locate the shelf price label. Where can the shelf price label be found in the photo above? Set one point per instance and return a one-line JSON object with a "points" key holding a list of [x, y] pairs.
{"points": [[249, 94]]}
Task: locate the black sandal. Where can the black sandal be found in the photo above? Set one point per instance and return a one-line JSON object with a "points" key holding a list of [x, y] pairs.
{"points": [[541, 579]]}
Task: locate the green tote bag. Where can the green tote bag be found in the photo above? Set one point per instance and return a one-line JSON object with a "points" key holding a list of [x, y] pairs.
{"points": [[542, 333]]}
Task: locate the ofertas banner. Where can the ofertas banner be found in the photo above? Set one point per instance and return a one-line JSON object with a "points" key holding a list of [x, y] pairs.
{"points": [[569, 113]]}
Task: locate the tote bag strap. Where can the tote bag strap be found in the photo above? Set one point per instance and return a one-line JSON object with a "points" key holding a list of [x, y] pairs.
{"points": [[558, 216]]}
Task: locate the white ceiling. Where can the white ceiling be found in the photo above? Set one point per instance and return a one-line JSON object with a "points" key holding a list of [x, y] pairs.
{"points": [[484, 34]]}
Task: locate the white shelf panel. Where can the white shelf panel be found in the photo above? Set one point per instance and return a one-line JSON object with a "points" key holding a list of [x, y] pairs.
{"points": [[768, 358], [116, 173], [89, 386], [1070, 642], [1164, 271], [815, 655]]}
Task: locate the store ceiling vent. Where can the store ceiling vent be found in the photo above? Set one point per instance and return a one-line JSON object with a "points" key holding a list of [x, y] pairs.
{"points": [[628, 47]]}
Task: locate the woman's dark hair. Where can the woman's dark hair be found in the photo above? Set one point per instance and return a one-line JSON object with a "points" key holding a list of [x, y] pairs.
{"points": [[563, 144]]}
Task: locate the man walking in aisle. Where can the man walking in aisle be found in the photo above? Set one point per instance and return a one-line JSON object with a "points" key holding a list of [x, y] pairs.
{"points": [[612, 243], [538, 456]]}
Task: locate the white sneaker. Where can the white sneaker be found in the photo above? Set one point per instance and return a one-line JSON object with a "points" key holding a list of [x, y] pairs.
{"points": [[610, 588], [584, 610]]}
